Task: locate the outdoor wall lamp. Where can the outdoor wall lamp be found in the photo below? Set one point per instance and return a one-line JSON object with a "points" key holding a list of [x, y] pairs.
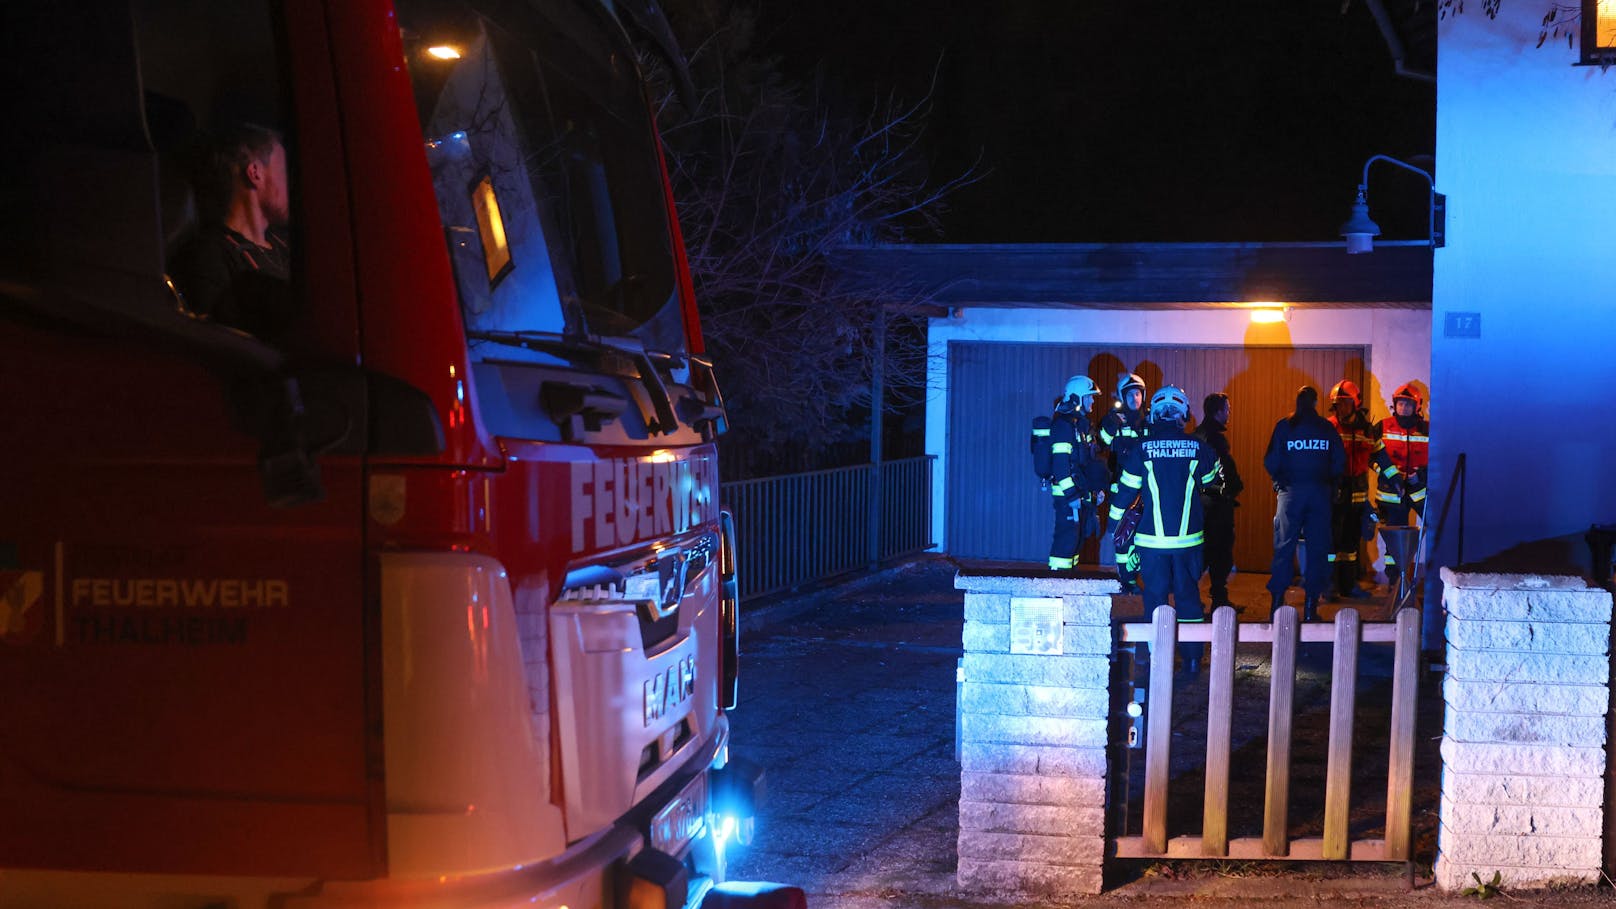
{"points": [[1361, 232]]}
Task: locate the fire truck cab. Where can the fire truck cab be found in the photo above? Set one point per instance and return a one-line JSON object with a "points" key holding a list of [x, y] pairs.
{"points": [[360, 540]]}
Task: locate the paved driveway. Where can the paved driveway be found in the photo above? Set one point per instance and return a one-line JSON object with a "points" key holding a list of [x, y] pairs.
{"points": [[847, 698]]}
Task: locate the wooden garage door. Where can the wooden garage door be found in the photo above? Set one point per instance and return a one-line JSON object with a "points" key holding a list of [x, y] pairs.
{"points": [[995, 509]]}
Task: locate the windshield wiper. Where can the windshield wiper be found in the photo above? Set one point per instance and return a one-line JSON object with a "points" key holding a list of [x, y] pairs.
{"points": [[542, 341], [581, 352]]}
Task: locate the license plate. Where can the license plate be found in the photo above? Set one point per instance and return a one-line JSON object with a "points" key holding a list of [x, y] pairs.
{"points": [[681, 819]]}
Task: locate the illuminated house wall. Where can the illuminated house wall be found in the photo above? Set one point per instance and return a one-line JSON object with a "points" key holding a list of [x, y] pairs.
{"points": [[1526, 153]]}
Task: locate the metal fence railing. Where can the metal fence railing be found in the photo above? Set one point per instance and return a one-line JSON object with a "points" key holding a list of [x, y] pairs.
{"points": [[804, 527]]}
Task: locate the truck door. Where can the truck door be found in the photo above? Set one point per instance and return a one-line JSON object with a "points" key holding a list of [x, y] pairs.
{"points": [[182, 621]]}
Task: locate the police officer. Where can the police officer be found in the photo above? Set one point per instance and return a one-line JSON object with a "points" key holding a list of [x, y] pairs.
{"points": [[1075, 472], [1361, 440], [1168, 468], [1120, 430], [1218, 499], [1305, 458], [1405, 450]]}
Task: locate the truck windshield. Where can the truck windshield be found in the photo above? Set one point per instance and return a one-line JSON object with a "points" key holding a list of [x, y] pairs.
{"points": [[543, 158]]}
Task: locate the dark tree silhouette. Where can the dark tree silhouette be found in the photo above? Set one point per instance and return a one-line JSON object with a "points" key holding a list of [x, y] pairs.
{"points": [[771, 180]]}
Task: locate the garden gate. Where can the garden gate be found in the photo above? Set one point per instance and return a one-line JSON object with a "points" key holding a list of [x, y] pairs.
{"points": [[1284, 633]]}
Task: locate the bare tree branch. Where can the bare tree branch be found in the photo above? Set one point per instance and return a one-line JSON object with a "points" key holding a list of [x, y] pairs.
{"points": [[771, 184]]}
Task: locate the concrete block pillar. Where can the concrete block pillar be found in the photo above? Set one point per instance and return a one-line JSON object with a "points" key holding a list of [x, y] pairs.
{"points": [[1033, 713], [1523, 747]]}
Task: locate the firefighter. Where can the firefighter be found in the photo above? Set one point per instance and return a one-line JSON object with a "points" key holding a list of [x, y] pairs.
{"points": [[1076, 473], [1167, 469], [1306, 460], [1219, 499], [1120, 431], [1361, 439], [1400, 461]]}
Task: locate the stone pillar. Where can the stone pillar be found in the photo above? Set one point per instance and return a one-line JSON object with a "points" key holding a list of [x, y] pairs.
{"points": [[1523, 758], [1033, 715]]}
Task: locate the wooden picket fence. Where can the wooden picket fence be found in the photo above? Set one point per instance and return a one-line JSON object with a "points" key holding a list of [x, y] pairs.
{"points": [[1346, 632]]}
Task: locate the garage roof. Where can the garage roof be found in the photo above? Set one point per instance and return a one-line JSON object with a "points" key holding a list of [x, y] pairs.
{"points": [[1151, 275]]}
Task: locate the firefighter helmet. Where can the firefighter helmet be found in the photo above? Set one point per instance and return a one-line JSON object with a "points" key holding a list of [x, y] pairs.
{"points": [[1408, 392], [1348, 389], [1129, 380], [1081, 387], [1169, 403]]}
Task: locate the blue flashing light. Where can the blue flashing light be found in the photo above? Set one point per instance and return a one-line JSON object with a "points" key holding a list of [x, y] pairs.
{"points": [[746, 888], [723, 828]]}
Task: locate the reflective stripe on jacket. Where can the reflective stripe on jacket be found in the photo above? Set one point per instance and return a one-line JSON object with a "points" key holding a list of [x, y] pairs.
{"points": [[1404, 453], [1168, 467], [1120, 431], [1071, 445], [1361, 439], [1406, 450]]}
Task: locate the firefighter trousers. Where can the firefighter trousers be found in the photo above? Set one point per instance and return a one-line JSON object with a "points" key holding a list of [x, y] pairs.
{"points": [[1176, 572], [1398, 514], [1219, 547], [1302, 512], [1347, 526], [1069, 531]]}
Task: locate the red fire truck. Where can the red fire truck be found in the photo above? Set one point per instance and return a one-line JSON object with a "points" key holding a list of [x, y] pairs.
{"points": [[417, 594]]}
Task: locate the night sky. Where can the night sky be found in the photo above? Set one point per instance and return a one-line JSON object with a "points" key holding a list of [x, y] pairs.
{"points": [[1096, 122]]}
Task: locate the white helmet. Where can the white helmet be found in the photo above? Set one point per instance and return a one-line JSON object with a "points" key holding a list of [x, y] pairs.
{"points": [[1169, 403], [1080, 387]]}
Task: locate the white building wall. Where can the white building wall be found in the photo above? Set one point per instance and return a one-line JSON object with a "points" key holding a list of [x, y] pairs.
{"points": [[1526, 153], [1398, 342]]}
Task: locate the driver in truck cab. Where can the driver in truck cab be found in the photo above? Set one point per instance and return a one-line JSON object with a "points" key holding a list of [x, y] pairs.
{"points": [[237, 269]]}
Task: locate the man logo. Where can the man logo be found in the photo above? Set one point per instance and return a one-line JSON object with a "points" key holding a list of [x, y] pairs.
{"points": [[668, 689]]}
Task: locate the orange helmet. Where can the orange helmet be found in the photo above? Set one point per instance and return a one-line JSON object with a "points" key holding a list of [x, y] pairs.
{"points": [[1408, 392], [1345, 389]]}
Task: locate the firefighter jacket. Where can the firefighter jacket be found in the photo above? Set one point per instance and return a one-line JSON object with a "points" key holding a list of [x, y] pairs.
{"points": [[1120, 430], [1216, 436], [1401, 460], [1168, 468], [1309, 453], [1361, 439], [1071, 448]]}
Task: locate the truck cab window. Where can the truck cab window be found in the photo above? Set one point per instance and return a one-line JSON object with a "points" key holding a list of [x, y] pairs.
{"points": [[124, 101], [212, 74]]}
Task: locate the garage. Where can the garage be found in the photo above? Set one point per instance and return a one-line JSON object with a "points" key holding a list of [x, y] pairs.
{"points": [[995, 506], [1011, 322]]}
